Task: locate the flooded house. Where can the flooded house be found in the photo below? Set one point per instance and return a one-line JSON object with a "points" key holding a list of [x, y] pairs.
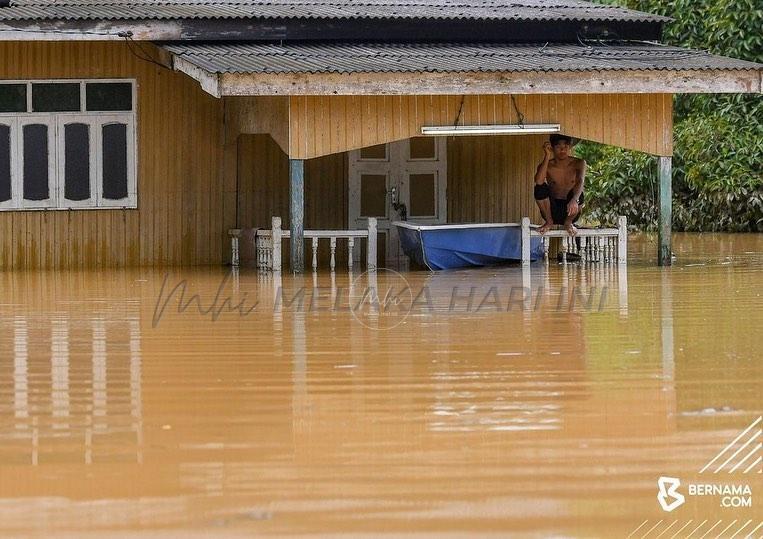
{"points": [[141, 134]]}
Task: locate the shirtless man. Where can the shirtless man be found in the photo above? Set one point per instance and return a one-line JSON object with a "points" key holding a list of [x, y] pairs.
{"points": [[559, 185]]}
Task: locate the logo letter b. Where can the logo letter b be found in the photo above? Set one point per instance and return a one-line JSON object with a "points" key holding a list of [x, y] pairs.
{"points": [[667, 487]]}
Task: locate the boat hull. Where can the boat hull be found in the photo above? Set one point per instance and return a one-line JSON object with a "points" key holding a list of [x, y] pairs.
{"points": [[440, 247]]}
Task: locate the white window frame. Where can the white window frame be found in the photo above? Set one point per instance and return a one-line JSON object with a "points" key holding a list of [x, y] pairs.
{"points": [[56, 122], [14, 132]]}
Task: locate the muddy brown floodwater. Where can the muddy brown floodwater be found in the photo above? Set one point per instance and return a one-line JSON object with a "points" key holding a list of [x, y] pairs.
{"points": [[538, 404]]}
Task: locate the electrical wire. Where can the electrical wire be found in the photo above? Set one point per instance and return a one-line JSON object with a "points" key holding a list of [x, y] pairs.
{"points": [[460, 109], [146, 56], [520, 116]]}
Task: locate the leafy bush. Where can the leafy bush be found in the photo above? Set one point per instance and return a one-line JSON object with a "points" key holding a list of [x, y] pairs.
{"points": [[717, 176]]}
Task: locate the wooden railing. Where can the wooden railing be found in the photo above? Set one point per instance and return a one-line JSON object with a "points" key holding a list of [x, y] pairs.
{"points": [[589, 244], [268, 250]]}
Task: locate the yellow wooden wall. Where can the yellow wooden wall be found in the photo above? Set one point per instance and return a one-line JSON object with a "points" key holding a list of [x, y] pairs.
{"points": [[321, 125], [179, 129], [263, 179], [264, 186], [491, 179]]}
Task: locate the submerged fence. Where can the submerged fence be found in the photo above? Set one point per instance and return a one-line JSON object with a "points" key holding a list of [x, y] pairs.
{"points": [[588, 244], [268, 251]]}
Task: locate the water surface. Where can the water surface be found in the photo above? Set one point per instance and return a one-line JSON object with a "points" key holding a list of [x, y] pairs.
{"points": [[479, 410]]}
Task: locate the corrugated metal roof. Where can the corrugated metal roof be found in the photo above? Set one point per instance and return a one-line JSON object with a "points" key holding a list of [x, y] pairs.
{"points": [[449, 57], [319, 9]]}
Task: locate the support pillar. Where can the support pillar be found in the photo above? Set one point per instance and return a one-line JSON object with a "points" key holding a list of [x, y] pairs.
{"points": [[665, 224], [297, 214]]}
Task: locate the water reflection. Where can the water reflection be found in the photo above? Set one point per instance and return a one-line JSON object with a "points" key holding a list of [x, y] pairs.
{"points": [[62, 410]]}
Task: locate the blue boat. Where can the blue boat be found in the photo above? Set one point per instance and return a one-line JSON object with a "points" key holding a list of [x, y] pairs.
{"points": [[440, 247]]}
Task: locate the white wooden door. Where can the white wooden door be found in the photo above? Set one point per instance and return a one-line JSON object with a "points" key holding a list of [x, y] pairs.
{"points": [[407, 179]]}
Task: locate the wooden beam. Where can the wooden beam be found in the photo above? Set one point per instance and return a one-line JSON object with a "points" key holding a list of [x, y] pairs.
{"points": [[664, 252], [91, 30], [210, 82], [531, 82], [275, 29], [296, 214]]}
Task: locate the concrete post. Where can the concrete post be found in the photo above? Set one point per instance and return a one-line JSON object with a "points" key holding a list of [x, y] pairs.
{"points": [[525, 246], [622, 239], [296, 214], [665, 225]]}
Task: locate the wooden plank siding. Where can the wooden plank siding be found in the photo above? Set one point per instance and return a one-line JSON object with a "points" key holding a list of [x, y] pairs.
{"points": [[322, 125], [263, 177], [490, 179], [179, 133]]}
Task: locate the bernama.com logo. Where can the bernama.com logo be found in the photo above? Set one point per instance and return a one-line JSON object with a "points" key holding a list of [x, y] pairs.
{"points": [[731, 496], [742, 456]]}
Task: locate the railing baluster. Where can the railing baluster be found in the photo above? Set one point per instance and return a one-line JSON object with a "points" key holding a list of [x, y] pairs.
{"points": [[275, 253], [563, 247], [595, 249], [315, 253], [350, 249], [333, 253], [371, 245], [234, 246]]}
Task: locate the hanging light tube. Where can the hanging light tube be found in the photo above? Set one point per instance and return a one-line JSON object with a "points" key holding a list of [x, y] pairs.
{"points": [[514, 129]]}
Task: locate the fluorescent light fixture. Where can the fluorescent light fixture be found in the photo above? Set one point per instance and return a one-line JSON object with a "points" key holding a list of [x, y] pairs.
{"points": [[515, 129]]}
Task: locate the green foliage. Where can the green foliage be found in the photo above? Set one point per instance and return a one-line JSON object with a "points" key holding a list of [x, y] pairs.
{"points": [[717, 176], [717, 184]]}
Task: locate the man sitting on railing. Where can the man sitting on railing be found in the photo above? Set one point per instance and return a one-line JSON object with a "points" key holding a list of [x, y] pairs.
{"points": [[559, 185]]}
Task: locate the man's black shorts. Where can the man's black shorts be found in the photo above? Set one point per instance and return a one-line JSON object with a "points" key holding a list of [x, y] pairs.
{"points": [[558, 205]]}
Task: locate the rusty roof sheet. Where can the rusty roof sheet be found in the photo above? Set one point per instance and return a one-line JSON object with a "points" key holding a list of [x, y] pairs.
{"points": [[447, 57], [551, 10]]}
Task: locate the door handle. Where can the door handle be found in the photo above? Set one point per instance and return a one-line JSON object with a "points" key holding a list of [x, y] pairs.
{"points": [[393, 195], [397, 206]]}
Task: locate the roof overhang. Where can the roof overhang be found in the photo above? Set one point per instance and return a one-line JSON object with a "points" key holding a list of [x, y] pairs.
{"points": [[357, 69]]}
